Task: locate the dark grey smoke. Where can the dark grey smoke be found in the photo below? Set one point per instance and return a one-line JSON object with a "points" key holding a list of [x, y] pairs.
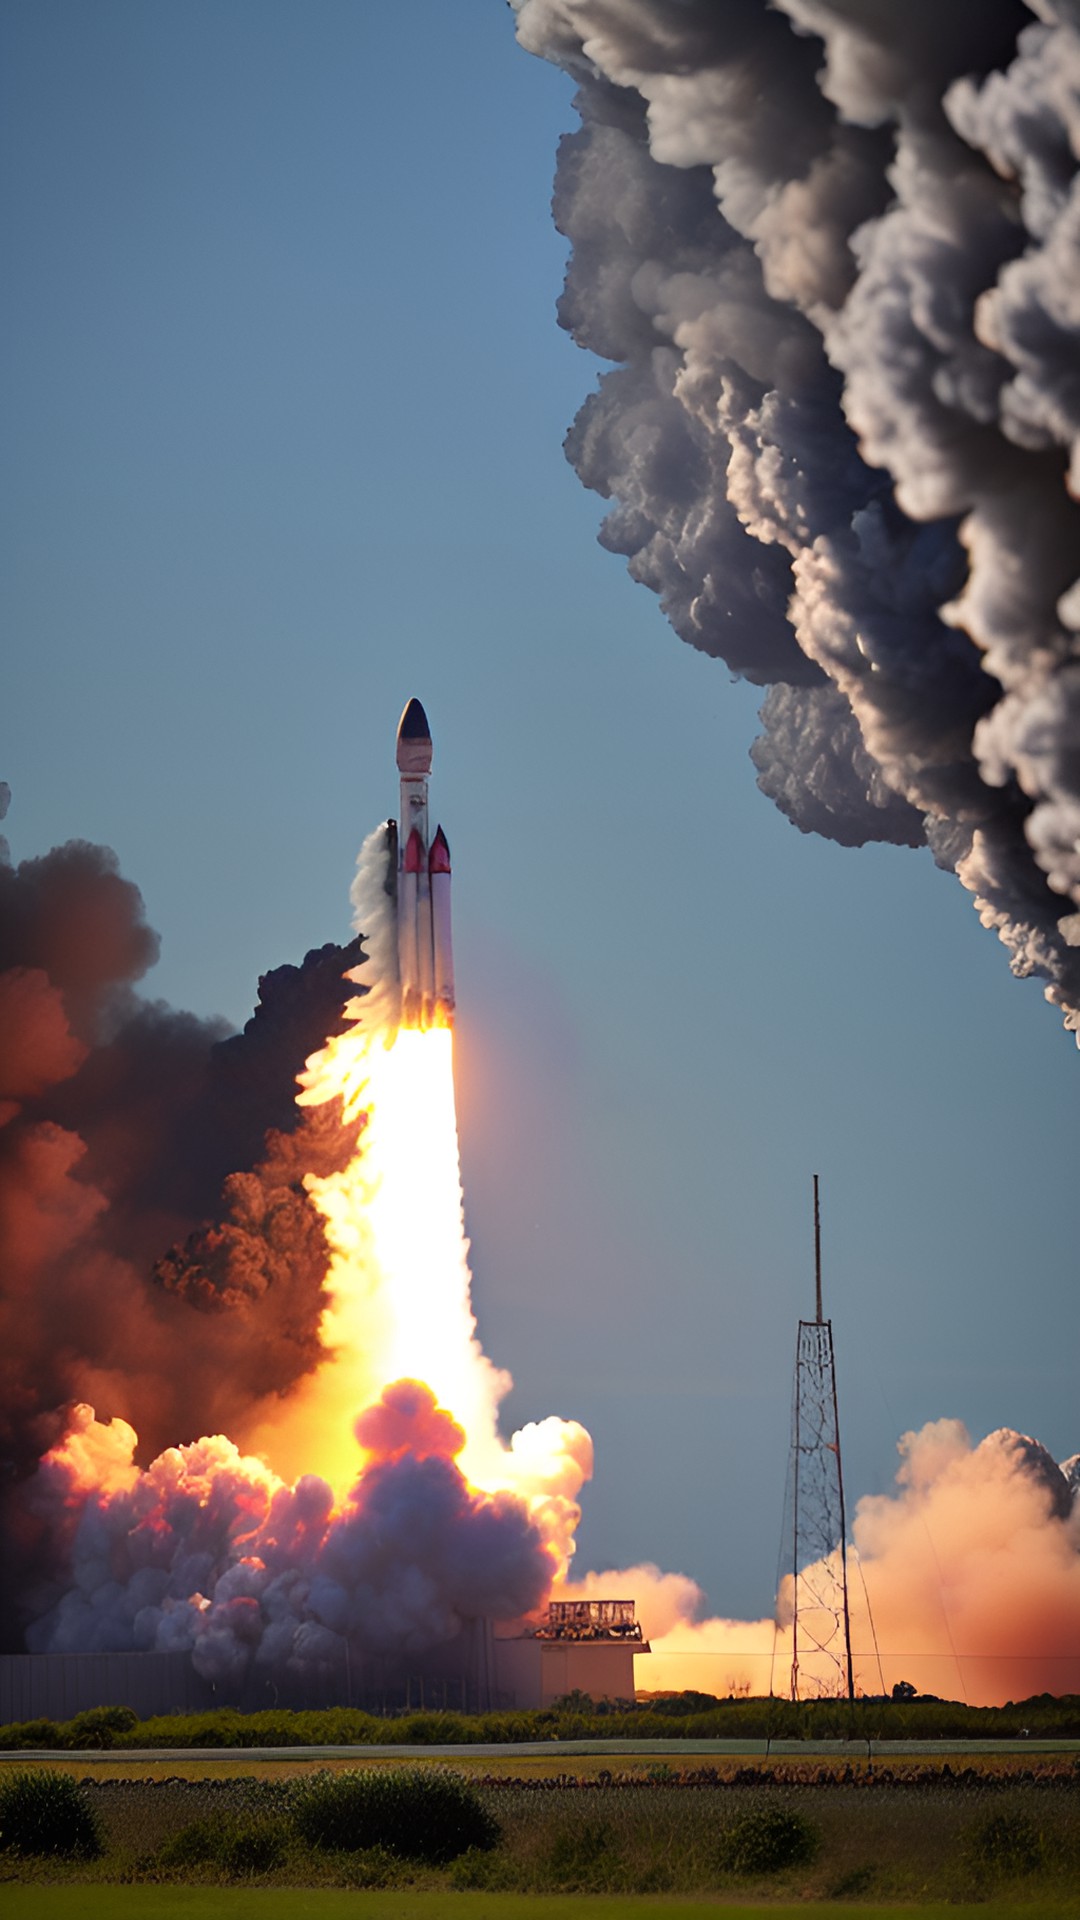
{"points": [[128, 1128], [833, 247]]}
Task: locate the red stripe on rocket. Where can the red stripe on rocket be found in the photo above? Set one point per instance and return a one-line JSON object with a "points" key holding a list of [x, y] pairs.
{"points": [[425, 953]]}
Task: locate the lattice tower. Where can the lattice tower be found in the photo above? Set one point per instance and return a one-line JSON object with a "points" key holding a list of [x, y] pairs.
{"points": [[821, 1621]]}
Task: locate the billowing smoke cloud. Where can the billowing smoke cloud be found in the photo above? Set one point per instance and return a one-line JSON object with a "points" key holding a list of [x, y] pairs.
{"points": [[965, 1583], [121, 1122], [833, 250], [208, 1552], [127, 1128]]}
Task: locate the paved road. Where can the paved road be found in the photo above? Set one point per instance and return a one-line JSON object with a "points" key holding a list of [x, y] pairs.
{"points": [[570, 1750]]}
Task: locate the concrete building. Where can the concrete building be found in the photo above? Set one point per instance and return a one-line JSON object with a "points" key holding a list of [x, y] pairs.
{"points": [[580, 1646], [584, 1646]]}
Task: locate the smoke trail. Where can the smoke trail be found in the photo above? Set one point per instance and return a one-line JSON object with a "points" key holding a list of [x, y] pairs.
{"points": [[372, 895], [834, 252], [970, 1571]]}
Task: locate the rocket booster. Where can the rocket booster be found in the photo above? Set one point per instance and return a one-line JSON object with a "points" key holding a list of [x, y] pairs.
{"points": [[425, 953]]}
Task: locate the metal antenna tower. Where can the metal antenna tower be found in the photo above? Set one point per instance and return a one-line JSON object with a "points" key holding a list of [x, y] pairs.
{"points": [[821, 1623]]}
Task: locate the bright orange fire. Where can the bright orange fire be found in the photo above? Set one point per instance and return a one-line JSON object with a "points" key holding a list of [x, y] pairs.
{"points": [[399, 1283]]}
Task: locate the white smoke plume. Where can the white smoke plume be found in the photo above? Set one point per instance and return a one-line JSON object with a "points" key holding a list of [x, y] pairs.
{"points": [[834, 252], [375, 920], [207, 1551], [965, 1583]]}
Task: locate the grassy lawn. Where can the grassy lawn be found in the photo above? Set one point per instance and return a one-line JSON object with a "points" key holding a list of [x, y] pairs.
{"points": [[286, 1903], [236, 1843]]}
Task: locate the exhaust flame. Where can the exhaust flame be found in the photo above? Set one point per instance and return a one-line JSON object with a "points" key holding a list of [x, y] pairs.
{"points": [[395, 1216]]}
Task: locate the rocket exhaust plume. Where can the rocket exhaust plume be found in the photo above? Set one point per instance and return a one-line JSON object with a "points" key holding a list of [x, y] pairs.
{"points": [[398, 1280], [834, 252]]}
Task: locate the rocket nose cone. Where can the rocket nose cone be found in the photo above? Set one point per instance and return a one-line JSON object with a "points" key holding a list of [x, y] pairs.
{"points": [[413, 724], [414, 739]]}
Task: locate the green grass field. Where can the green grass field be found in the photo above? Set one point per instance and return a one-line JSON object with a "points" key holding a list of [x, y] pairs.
{"points": [[915, 1844], [283, 1903]]}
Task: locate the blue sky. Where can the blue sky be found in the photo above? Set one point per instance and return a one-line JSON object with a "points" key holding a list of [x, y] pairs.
{"points": [[284, 395]]}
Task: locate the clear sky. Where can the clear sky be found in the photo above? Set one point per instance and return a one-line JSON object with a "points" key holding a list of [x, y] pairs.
{"points": [[283, 397]]}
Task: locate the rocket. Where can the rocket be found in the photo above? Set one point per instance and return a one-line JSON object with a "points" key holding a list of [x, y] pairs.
{"points": [[425, 953]]}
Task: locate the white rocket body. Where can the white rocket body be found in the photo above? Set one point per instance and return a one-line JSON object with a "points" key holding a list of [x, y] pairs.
{"points": [[425, 956], [425, 953], [408, 953]]}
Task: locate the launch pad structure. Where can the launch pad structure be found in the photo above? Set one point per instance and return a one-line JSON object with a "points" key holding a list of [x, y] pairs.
{"points": [[821, 1619], [577, 1646]]}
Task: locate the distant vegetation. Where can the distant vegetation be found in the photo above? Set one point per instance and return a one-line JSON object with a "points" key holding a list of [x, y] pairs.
{"points": [[692, 1716]]}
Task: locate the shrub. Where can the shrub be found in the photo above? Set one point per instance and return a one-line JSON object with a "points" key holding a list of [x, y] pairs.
{"points": [[197, 1842], [374, 1867], [767, 1841], [479, 1871], [419, 1813], [46, 1813], [99, 1726], [428, 1730], [30, 1733], [584, 1855], [677, 1705], [254, 1846], [1006, 1844], [241, 1846]]}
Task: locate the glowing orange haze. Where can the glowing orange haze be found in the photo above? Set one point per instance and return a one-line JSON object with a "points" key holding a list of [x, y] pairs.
{"points": [[971, 1577]]}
